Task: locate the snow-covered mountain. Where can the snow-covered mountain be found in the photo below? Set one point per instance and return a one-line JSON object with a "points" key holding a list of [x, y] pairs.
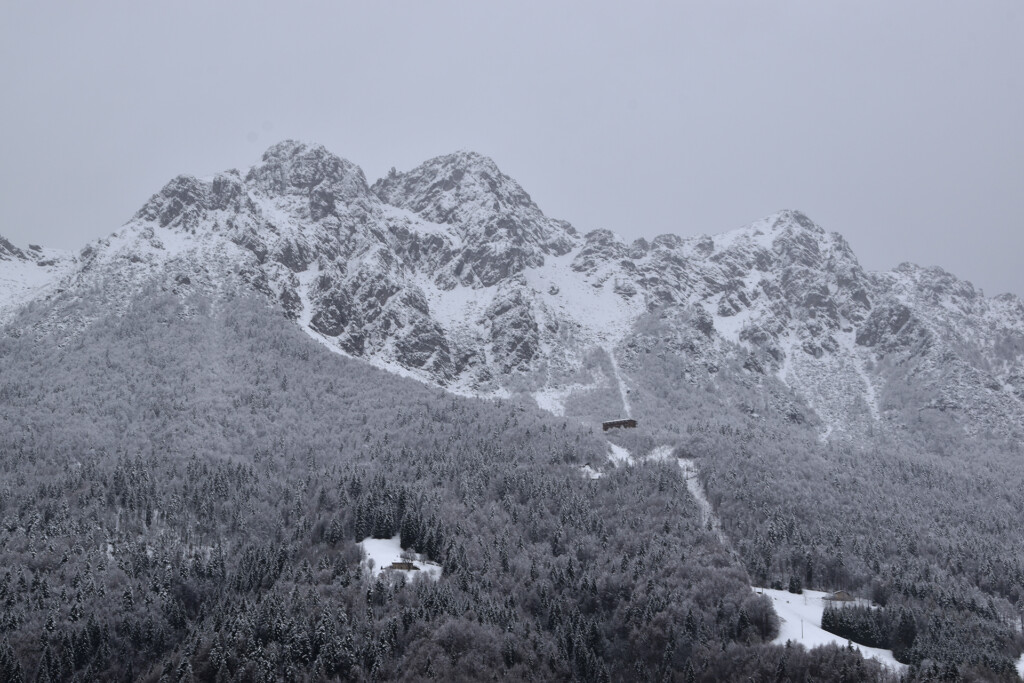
{"points": [[28, 274], [450, 273]]}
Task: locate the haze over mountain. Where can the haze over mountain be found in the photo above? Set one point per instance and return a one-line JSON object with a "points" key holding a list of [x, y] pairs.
{"points": [[451, 274], [217, 411]]}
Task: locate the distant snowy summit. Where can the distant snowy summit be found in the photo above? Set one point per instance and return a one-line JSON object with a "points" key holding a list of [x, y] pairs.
{"points": [[451, 274]]}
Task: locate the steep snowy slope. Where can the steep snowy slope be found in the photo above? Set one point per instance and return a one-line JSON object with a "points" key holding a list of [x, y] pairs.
{"points": [[28, 274], [450, 273]]}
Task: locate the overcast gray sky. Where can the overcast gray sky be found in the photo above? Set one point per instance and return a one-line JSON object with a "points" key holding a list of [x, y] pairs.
{"points": [[897, 124]]}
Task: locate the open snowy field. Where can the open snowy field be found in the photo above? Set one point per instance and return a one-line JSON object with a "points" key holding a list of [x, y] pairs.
{"points": [[800, 621], [381, 553], [799, 615]]}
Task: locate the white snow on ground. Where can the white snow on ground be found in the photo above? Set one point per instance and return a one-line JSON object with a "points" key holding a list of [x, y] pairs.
{"points": [[623, 392], [729, 327], [416, 223], [22, 281], [800, 621], [590, 473], [799, 615], [603, 316], [837, 386], [757, 234], [619, 455], [552, 399], [459, 309], [693, 485], [848, 342], [382, 552], [660, 454], [1020, 666], [306, 280]]}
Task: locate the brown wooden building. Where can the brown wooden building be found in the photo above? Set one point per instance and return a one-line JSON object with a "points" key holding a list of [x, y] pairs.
{"points": [[612, 424]]}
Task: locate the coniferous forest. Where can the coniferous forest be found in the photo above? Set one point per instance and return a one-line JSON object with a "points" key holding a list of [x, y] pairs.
{"points": [[185, 484], [670, 342]]}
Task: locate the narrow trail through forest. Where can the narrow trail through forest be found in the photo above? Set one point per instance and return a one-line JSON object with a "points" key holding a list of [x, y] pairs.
{"points": [[623, 392], [809, 634], [708, 517]]}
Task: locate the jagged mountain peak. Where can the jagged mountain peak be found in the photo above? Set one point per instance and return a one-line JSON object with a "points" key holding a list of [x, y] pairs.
{"points": [[452, 187], [320, 181], [794, 218], [787, 224], [450, 272], [935, 284], [467, 160], [185, 200], [292, 167], [8, 251], [500, 227]]}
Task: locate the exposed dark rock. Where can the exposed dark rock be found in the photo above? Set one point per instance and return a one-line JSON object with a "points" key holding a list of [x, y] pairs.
{"points": [[292, 167], [332, 314], [9, 251], [702, 321], [887, 325], [291, 303], [294, 255], [514, 333]]}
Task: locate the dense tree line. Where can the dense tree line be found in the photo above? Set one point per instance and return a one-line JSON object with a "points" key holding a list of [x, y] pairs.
{"points": [[885, 628], [184, 487], [923, 520]]}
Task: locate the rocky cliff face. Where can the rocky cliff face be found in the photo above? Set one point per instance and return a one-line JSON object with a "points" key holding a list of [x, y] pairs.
{"points": [[9, 252], [452, 274], [500, 231]]}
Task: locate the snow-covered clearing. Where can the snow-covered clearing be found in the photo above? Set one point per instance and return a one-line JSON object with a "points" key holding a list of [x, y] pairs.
{"points": [[1020, 666], [590, 473], [381, 553], [800, 621], [799, 615], [730, 327], [660, 453], [619, 455], [552, 399]]}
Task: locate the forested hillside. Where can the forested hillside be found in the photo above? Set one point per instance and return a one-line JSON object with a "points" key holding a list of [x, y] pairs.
{"points": [[926, 523], [184, 486], [203, 416]]}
